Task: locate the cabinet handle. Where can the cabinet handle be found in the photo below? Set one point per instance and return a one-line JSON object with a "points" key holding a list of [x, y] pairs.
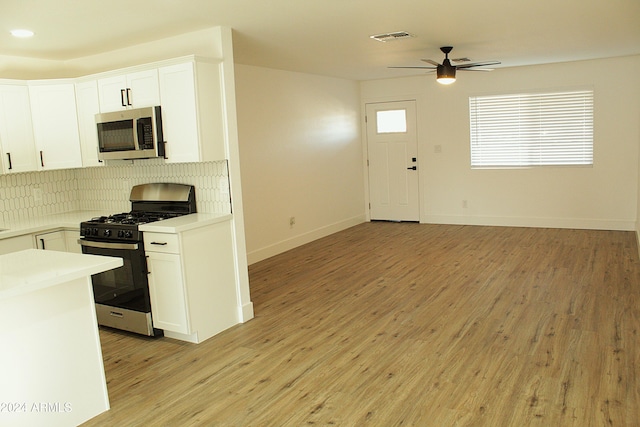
{"points": [[122, 98], [128, 96], [159, 243], [9, 157], [41, 159], [42, 243]]}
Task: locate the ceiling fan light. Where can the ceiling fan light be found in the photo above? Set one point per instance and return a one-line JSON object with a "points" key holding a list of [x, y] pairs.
{"points": [[446, 75], [445, 80]]}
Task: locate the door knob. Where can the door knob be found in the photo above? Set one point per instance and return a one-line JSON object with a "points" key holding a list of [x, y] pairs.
{"points": [[413, 168]]}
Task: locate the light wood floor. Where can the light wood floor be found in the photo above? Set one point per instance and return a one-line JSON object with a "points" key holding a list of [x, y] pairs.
{"points": [[389, 324]]}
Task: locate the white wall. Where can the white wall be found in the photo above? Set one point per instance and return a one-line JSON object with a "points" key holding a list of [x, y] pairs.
{"points": [[604, 196], [300, 156]]}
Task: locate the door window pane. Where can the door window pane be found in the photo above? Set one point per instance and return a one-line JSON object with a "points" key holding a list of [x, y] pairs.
{"points": [[391, 121]]}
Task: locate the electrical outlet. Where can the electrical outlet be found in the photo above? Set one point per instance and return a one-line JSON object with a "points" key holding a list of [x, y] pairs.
{"points": [[292, 221]]}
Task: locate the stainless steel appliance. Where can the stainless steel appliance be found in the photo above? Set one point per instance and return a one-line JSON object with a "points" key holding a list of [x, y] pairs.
{"points": [[122, 295], [130, 134]]}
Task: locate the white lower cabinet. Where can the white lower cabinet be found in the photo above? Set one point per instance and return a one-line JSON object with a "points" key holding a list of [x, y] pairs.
{"points": [[71, 238], [15, 244], [63, 240], [192, 282], [53, 241], [167, 292]]}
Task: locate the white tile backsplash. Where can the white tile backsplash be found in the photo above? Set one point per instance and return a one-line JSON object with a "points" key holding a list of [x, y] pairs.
{"points": [[33, 194]]}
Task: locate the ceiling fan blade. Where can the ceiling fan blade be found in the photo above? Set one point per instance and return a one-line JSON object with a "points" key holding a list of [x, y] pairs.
{"points": [[477, 64], [474, 69], [430, 61], [424, 68]]}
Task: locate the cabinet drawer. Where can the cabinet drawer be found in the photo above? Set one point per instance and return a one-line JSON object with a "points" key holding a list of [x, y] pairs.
{"points": [[161, 242]]}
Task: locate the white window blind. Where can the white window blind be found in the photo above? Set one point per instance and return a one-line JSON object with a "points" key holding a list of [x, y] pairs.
{"points": [[532, 129]]}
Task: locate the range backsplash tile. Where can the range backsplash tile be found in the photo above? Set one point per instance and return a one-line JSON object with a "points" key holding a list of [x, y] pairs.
{"points": [[107, 188], [33, 194]]}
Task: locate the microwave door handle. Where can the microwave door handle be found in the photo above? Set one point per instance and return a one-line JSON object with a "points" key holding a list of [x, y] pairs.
{"points": [[136, 133]]}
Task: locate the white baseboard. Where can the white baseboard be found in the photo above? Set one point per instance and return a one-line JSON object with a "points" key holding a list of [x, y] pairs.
{"points": [[577, 223], [246, 312], [301, 239], [638, 236]]}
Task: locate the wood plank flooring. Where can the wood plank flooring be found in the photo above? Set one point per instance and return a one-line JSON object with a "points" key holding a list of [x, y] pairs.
{"points": [[404, 324]]}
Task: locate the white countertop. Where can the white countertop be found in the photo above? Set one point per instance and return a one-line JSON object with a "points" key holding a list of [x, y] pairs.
{"points": [[185, 222], [32, 269], [70, 220]]}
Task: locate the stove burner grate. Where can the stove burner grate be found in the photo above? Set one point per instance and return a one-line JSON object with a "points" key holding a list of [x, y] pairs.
{"points": [[133, 217]]}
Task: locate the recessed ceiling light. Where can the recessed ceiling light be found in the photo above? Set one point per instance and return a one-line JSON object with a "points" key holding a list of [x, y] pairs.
{"points": [[22, 33]]}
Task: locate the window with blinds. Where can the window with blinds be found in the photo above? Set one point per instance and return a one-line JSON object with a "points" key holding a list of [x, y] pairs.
{"points": [[532, 129]]}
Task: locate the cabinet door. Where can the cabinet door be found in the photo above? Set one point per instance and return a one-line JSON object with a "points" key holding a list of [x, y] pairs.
{"points": [[112, 93], [192, 113], [54, 241], [144, 89], [16, 130], [55, 125], [167, 291], [88, 106], [132, 90], [179, 115]]}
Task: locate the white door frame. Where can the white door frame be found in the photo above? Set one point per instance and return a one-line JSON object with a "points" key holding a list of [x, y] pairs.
{"points": [[397, 210]]}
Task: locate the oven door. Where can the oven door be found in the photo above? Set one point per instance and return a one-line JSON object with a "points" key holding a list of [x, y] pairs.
{"points": [[124, 287]]}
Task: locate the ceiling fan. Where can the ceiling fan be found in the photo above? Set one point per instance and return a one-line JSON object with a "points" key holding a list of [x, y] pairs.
{"points": [[446, 72]]}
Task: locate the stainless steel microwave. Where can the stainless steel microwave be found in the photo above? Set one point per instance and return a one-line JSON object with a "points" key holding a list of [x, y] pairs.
{"points": [[130, 134]]}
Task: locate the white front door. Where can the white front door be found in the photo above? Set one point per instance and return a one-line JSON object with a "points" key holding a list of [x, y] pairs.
{"points": [[392, 146]]}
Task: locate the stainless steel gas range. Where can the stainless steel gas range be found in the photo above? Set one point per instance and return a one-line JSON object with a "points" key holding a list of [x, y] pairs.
{"points": [[122, 295]]}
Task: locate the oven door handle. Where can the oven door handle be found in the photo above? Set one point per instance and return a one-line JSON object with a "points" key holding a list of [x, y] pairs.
{"points": [[108, 245]]}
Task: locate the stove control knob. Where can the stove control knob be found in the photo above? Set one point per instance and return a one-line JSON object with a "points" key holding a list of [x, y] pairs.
{"points": [[94, 231], [107, 233], [128, 234], [120, 233]]}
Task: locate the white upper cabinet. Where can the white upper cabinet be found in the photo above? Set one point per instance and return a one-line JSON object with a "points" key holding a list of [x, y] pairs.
{"points": [[55, 125], [192, 113], [88, 105], [132, 90], [50, 124], [16, 130]]}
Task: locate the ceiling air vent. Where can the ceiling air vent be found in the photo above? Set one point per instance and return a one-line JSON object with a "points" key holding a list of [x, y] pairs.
{"points": [[398, 35]]}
